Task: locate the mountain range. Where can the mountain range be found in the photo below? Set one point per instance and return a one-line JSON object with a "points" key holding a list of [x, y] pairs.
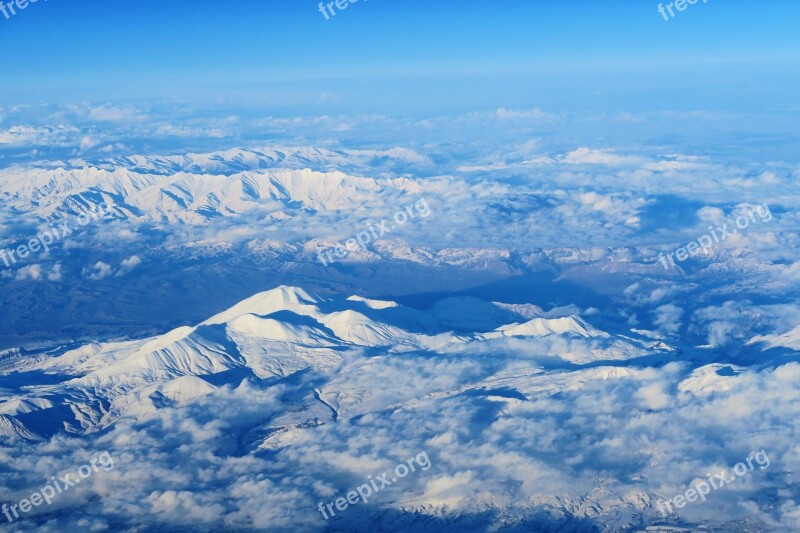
{"points": [[275, 335]]}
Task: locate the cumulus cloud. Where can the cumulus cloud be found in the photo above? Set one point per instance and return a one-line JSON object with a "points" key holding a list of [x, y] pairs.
{"points": [[535, 114], [184, 465], [55, 273], [129, 264], [59, 135], [87, 142], [30, 272], [98, 271], [668, 318], [113, 113], [102, 270], [172, 130], [589, 156]]}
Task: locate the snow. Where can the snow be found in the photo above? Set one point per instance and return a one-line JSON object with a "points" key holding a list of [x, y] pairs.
{"points": [[790, 339], [540, 327], [287, 330]]}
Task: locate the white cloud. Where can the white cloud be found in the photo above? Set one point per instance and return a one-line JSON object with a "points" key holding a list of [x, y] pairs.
{"points": [[589, 156], [55, 273], [171, 130], [668, 318], [31, 272], [59, 135], [98, 271], [87, 142], [589, 445], [129, 264], [112, 113]]}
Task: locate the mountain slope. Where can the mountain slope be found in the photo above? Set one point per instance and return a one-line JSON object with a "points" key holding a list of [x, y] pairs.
{"points": [[277, 334]]}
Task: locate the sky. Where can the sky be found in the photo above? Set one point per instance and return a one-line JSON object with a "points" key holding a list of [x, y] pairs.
{"points": [[405, 55]]}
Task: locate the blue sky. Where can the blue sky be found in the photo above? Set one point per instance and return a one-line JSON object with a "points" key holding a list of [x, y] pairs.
{"points": [[380, 55]]}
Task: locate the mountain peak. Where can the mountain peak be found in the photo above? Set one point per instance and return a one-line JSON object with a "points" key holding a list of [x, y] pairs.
{"points": [[374, 304], [539, 327], [283, 298]]}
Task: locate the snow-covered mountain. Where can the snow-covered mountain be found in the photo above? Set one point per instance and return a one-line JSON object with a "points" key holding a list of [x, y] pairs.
{"points": [[790, 339], [187, 198], [195, 188], [269, 336]]}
